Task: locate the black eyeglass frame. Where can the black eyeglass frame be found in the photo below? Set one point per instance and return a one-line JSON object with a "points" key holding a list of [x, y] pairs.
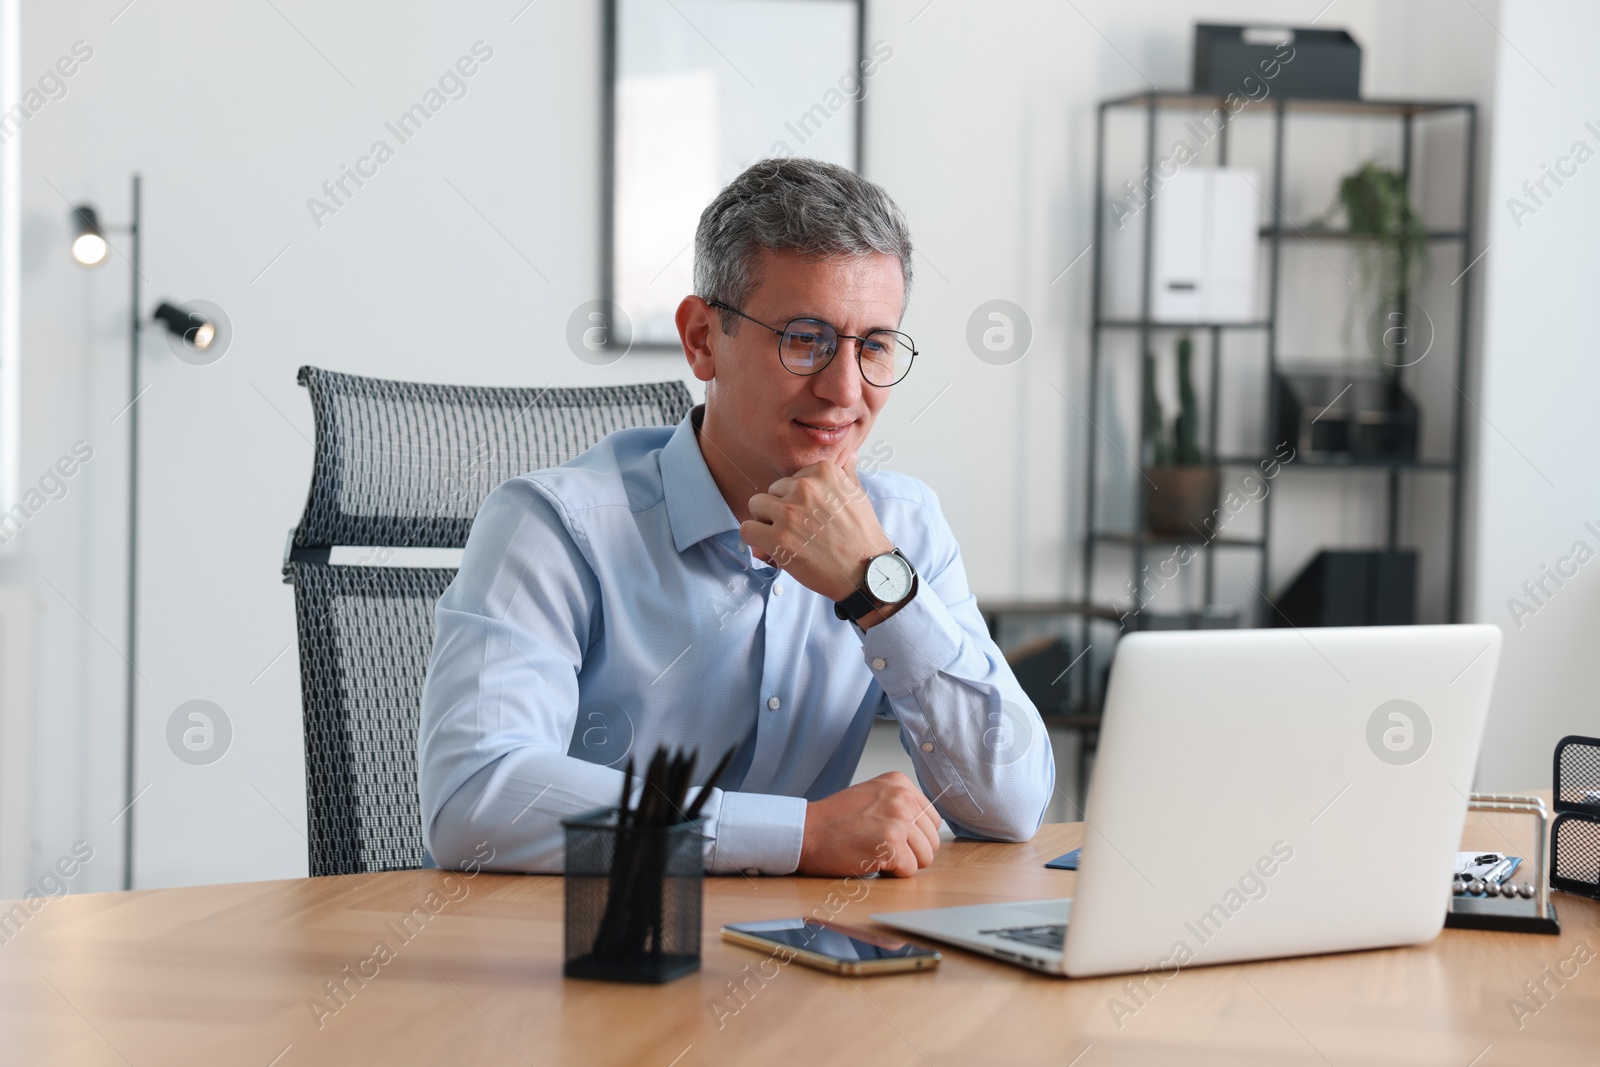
{"points": [[837, 337]]}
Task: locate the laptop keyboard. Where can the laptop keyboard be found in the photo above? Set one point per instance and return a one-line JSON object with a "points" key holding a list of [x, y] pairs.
{"points": [[1049, 935]]}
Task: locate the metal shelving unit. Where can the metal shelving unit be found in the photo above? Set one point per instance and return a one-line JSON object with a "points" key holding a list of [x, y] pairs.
{"points": [[1276, 234]]}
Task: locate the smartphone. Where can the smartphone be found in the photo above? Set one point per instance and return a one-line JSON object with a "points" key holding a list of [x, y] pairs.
{"points": [[830, 946]]}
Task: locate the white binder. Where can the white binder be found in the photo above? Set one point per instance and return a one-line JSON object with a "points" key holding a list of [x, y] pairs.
{"points": [[1205, 246]]}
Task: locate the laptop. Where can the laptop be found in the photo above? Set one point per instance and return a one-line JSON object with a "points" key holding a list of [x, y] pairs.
{"points": [[1259, 794]]}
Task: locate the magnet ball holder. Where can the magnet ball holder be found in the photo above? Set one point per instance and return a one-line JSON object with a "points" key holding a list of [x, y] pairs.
{"points": [[1575, 834], [1483, 908]]}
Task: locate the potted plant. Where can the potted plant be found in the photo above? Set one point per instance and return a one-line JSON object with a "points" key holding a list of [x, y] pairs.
{"points": [[1392, 242], [1181, 487]]}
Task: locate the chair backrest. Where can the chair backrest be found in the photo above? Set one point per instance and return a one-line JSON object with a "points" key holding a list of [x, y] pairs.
{"points": [[405, 465]]}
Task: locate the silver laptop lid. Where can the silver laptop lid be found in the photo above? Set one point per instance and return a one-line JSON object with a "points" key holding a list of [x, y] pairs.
{"points": [[1264, 793]]}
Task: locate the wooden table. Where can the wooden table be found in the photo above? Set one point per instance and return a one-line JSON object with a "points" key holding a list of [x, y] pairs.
{"points": [[228, 975]]}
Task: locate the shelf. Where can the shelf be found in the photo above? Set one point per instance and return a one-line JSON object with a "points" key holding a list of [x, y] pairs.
{"points": [[1127, 537], [1323, 463], [1106, 552], [1323, 233], [1071, 720], [1126, 615], [1180, 99], [1135, 324], [1044, 608]]}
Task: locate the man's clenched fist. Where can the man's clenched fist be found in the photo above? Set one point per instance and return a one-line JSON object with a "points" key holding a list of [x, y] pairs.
{"points": [[882, 824]]}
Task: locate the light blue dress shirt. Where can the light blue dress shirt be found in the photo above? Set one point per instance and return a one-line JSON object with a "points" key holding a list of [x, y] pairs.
{"points": [[608, 606]]}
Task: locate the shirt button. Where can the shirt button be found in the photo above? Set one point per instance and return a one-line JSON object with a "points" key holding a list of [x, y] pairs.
{"points": [[879, 663], [777, 590], [773, 703], [927, 746]]}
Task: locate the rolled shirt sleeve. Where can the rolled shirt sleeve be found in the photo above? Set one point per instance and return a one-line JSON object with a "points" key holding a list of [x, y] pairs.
{"points": [[978, 743]]}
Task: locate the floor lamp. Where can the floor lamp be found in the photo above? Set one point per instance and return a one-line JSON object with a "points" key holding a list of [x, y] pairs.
{"points": [[197, 334]]}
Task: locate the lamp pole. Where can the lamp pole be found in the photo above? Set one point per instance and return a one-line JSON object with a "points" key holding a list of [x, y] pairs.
{"points": [[129, 731], [199, 333]]}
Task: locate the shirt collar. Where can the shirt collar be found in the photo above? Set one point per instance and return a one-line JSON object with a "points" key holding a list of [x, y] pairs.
{"points": [[695, 508]]}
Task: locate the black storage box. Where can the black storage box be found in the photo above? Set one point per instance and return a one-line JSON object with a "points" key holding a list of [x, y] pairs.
{"points": [[1325, 64], [1041, 669], [1347, 416], [1352, 588], [1212, 618]]}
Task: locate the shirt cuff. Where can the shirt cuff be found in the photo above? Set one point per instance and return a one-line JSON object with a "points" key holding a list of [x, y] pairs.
{"points": [[909, 646], [758, 833]]}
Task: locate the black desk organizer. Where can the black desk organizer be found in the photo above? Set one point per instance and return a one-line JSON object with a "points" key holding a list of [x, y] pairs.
{"points": [[633, 898], [1353, 415], [1575, 834]]}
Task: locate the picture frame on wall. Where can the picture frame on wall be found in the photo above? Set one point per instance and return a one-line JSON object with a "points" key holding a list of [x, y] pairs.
{"points": [[694, 92]]}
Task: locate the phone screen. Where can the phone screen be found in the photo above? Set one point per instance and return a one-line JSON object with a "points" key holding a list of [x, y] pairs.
{"points": [[830, 940]]}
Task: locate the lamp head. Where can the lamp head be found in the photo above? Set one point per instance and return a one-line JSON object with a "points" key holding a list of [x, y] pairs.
{"points": [[88, 243], [196, 330]]}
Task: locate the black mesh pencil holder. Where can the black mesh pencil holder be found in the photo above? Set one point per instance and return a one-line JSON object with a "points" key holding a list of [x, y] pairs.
{"points": [[633, 899], [1575, 833]]}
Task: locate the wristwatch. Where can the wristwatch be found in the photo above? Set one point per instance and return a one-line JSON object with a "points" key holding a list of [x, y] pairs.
{"points": [[891, 580]]}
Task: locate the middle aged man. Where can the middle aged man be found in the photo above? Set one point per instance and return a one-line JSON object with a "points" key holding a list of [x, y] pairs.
{"points": [[736, 582]]}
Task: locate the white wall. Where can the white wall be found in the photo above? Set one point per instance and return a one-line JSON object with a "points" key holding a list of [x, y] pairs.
{"points": [[981, 125], [235, 119], [1538, 480]]}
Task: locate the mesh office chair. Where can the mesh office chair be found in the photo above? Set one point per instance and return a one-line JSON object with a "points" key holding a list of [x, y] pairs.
{"points": [[405, 465]]}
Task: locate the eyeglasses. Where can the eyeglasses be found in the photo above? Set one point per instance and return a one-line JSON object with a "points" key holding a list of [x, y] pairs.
{"points": [[807, 346]]}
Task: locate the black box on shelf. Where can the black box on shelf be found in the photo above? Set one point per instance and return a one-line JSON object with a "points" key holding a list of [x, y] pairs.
{"points": [[1041, 669], [1293, 61], [1352, 415], [1215, 617], [1352, 588]]}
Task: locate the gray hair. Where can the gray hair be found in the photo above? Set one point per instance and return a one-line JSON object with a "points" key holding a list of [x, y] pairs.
{"points": [[795, 205]]}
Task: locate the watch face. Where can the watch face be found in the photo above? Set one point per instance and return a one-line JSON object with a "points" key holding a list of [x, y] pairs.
{"points": [[889, 578]]}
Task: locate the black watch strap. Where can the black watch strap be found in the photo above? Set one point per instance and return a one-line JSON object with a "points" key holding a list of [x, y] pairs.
{"points": [[855, 607]]}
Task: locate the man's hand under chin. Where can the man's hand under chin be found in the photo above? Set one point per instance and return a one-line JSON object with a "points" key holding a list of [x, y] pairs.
{"points": [[882, 824], [818, 526]]}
